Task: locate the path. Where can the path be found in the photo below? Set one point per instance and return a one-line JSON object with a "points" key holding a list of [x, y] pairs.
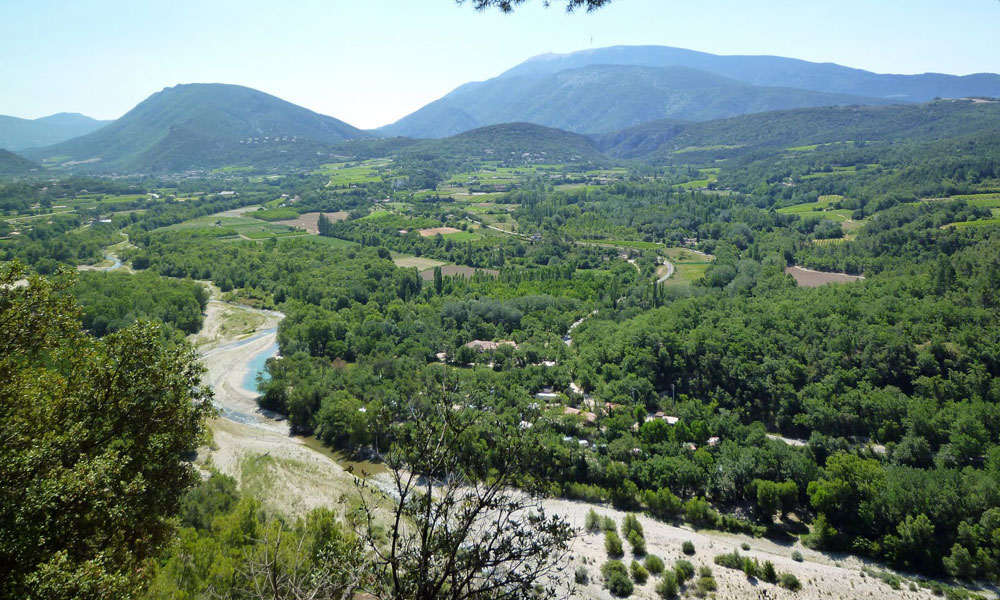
{"points": [[669, 273]]}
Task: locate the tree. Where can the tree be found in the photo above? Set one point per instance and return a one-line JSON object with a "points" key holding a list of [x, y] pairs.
{"points": [[93, 451], [508, 5], [458, 531]]}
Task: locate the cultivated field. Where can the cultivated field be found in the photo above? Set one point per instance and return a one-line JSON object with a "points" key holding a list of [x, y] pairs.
{"points": [[433, 231], [810, 278], [309, 221]]}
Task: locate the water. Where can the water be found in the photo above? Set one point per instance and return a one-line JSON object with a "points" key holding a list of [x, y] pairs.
{"points": [[257, 366]]}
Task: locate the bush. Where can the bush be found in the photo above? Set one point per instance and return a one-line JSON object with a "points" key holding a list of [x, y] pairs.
{"points": [[704, 585], [638, 543], [745, 546], [684, 570], [639, 572], [667, 587], [654, 564], [732, 560], [631, 523], [616, 578], [790, 582], [704, 571], [688, 548], [613, 544], [751, 568], [608, 524], [581, 576], [767, 572], [797, 556], [593, 522]]}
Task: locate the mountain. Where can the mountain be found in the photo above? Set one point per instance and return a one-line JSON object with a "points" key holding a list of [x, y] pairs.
{"points": [[12, 164], [604, 98], [510, 142], [18, 134], [203, 125], [931, 121], [772, 71]]}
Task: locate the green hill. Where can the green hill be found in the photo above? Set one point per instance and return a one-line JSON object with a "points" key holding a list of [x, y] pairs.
{"points": [[12, 164], [199, 126], [806, 127], [510, 142], [604, 98], [18, 134]]}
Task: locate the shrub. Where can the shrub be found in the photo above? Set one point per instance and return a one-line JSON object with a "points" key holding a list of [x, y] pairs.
{"points": [[688, 548], [639, 572], [751, 568], [767, 572], [667, 587], [608, 524], [790, 582], [631, 523], [732, 560], [616, 578], [613, 544], [637, 542], [745, 546], [581, 576], [704, 571], [593, 522], [797, 556], [704, 585], [654, 564], [684, 570]]}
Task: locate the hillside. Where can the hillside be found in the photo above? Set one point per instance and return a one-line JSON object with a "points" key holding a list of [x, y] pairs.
{"points": [[517, 142], [603, 98], [12, 164], [202, 126], [800, 127], [18, 134], [772, 71]]}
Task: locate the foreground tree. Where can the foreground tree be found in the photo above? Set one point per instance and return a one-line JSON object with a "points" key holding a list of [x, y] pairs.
{"points": [[93, 439], [458, 531]]}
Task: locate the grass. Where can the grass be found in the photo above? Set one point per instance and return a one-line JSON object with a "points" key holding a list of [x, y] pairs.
{"points": [[347, 174], [247, 227], [462, 236], [821, 208], [420, 262], [686, 256], [322, 240], [979, 223], [991, 200], [687, 273]]}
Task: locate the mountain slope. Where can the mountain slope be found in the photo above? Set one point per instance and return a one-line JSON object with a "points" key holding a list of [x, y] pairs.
{"points": [[197, 126], [603, 98], [510, 142], [12, 164], [18, 134], [772, 71], [802, 127]]}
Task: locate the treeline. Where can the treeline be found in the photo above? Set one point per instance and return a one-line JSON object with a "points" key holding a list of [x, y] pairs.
{"points": [[114, 300]]}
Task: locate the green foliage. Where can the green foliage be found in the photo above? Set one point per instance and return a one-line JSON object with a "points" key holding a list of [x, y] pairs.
{"points": [[616, 579], [768, 573], [668, 587], [593, 521], [684, 570], [796, 556], [688, 547], [581, 576], [654, 564], [115, 300], [613, 544], [732, 560], [639, 572], [790, 582], [96, 432], [637, 542]]}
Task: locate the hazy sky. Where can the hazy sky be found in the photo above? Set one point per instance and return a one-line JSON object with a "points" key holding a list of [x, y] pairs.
{"points": [[370, 62]]}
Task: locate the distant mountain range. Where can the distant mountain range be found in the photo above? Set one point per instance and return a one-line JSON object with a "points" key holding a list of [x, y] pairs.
{"points": [[596, 91], [196, 126], [18, 134]]}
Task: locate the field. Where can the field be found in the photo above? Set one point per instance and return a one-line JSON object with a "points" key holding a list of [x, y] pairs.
{"points": [[309, 221], [980, 200], [689, 265], [638, 245], [431, 232], [421, 263], [821, 209], [452, 270], [348, 174], [810, 278], [239, 225]]}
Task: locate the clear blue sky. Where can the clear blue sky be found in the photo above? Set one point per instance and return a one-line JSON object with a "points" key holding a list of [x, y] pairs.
{"points": [[370, 62]]}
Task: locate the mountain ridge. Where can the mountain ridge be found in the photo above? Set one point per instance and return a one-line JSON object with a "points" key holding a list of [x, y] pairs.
{"points": [[20, 134]]}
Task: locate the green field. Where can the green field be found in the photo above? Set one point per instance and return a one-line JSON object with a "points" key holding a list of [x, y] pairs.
{"points": [[247, 227], [991, 200], [347, 174], [639, 245], [979, 223], [821, 209], [687, 273], [462, 236]]}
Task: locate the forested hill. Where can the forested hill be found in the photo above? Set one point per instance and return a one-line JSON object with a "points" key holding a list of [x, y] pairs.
{"points": [[201, 126], [772, 71], [13, 165], [518, 141], [922, 122], [18, 134], [602, 98]]}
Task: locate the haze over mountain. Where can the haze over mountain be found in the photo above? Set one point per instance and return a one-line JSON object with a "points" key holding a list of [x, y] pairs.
{"points": [[598, 91], [18, 134], [603, 98], [201, 126], [772, 71]]}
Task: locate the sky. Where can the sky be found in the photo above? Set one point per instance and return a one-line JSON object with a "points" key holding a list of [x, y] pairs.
{"points": [[371, 62]]}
